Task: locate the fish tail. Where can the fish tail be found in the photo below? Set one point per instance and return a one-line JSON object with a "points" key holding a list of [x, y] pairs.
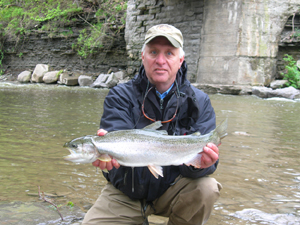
{"points": [[222, 129]]}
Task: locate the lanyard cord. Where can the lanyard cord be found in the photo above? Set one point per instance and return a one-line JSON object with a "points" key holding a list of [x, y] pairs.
{"points": [[153, 120]]}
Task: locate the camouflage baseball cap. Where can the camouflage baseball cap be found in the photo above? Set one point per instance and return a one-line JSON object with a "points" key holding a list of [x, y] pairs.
{"points": [[170, 32]]}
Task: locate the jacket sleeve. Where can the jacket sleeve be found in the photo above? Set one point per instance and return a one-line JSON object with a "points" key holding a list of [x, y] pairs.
{"points": [[206, 122], [117, 114]]}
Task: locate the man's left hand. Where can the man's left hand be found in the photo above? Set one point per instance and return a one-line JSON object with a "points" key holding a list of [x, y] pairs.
{"points": [[210, 155]]}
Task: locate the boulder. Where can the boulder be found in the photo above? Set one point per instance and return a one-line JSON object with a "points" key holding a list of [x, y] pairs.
{"points": [[262, 92], [24, 77], [39, 72], [111, 81], [100, 81], [289, 92], [51, 77], [68, 78], [120, 75], [85, 80], [278, 84]]}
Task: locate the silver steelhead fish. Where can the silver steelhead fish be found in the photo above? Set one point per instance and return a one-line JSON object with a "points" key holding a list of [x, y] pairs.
{"points": [[144, 147]]}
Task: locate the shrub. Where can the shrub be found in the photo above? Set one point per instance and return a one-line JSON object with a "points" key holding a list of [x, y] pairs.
{"points": [[292, 72]]}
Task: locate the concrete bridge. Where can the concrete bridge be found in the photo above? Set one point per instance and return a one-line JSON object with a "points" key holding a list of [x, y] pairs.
{"points": [[227, 42]]}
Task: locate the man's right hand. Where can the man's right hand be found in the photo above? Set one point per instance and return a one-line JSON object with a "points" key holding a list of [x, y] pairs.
{"points": [[103, 164]]}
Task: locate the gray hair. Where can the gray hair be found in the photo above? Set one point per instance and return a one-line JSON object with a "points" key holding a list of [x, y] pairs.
{"points": [[181, 52]]}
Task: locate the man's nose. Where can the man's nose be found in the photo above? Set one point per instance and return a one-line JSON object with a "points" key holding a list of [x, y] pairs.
{"points": [[160, 59]]}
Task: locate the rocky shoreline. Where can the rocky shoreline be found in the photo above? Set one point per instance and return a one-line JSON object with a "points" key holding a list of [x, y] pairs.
{"points": [[41, 74]]}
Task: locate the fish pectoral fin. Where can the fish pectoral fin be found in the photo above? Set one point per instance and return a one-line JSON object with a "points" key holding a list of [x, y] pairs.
{"points": [[195, 162], [156, 170], [104, 157]]}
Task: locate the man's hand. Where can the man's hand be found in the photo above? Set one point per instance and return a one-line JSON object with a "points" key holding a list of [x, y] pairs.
{"points": [[103, 164], [210, 155]]}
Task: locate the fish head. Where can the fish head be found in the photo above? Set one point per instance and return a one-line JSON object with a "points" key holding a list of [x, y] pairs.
{"points": [[82, 150]]}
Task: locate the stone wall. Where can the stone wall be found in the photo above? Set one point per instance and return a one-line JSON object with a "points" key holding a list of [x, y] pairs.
{"points": [[242, 40], [227, 42], [57, 52], [289, 43]]}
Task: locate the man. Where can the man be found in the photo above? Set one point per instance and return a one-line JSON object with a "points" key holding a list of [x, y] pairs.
{"points": [[160, 91]]}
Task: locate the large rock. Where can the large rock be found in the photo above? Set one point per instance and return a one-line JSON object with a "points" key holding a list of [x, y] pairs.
{"points": [[278, 84], [264, 92], [85, 80], [289, 92], [24, 77], [100, 81], [39, 72], [111, 81], [107, 80], [51, 77], [120, 75], [68, 78]]}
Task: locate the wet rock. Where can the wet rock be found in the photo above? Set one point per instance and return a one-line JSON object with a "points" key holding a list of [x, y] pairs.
{"points": [[68, 78], [264, 92], [278, 84], [51, 77], [224, 89], [120, 75], [85, 80], [106, 81], [100, 81], [289, 92], [39, 72], [24, 77], [111, 81]]}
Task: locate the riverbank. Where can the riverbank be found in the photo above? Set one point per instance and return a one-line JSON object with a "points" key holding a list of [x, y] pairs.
{"points": [[276, 89], [31, 213]]}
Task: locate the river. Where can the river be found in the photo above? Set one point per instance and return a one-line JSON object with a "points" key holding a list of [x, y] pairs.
{"points": [[259, 162]]}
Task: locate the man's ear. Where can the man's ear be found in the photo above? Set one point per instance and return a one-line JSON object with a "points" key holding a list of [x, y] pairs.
{"points": [[181, 61], [142, 55]]}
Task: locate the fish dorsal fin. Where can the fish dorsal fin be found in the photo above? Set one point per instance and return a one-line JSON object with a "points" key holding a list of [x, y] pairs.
{"points": [[153, 126], [196, 134], [156, 170]]}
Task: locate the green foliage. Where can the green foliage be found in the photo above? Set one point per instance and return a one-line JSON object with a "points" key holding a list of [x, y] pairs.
{"points": [[71, 204], [20, 18], [91, 40], [292, 72]]}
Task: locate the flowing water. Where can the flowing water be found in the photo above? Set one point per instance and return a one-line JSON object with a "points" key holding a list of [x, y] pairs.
{"points": [[259, 162]]}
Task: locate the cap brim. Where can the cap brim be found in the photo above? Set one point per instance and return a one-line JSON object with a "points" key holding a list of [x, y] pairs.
{"points": [[173, 41]]}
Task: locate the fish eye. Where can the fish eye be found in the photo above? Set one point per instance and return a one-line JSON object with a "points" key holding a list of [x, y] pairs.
{"points": [[74, 145]]}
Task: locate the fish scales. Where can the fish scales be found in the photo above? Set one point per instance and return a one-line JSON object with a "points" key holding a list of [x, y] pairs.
{"points": [[144, 147]]}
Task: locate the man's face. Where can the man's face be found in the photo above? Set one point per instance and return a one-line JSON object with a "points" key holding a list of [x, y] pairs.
{"points": [[161, 61]]}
